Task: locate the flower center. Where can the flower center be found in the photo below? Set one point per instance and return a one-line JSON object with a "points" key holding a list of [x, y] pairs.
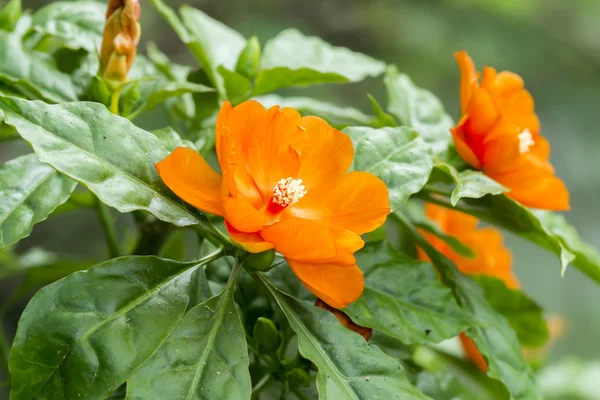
{"points": [[525, 141], [288, 191]]}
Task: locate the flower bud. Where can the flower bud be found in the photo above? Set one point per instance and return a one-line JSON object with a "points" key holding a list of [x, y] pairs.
{"points": [[260, 261], [120, 39], [266, 335], [249, 58]]}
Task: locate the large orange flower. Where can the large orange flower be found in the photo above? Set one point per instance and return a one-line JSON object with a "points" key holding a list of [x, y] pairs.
{"points": [[492, 258], [499, 133], [285, 186]]}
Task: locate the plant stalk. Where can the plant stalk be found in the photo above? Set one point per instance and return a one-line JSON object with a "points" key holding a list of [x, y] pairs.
{"points": [[108, 225]]}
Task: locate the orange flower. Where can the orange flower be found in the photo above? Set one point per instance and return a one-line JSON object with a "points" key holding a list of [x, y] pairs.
{"points": [[491, 257], [345, 320], [285, 186], [499, 133]]}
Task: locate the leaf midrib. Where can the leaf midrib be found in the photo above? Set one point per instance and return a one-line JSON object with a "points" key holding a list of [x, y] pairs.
{"points": [[97, 157]]}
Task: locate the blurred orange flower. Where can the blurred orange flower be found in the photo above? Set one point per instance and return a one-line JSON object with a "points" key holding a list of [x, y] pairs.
{"points": [[285, 186], [499, 133], [492, 258]]}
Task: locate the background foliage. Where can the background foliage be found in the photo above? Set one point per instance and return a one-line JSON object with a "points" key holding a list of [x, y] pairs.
{"points": [[560, 66]]}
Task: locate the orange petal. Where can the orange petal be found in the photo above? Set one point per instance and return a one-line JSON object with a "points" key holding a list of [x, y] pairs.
{"points": [[508, 82], [463, 144], [309, 241], [472, 353], [243, 216], [535, 186], [273, 150], [468, 78], [327, 155], [359, 202], [336, 285], [482, 112], [251, 242], [190, 177]]}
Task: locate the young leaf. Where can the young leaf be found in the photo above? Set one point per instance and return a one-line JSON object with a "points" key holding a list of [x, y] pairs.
{"points": [[349, 368], [495, 338], [398, 156], [30, 191], [292, 59], [405, 298], [469, 183], [525, 316], [335, 115], [237, 86], [83, 336], [33, 74], [419, 109], [78, 24], [205, 357], [217, 44], [111, 156]]}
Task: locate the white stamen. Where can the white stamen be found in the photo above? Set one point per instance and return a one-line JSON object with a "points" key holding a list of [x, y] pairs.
{"points": [[288, 191], [525, 141]]}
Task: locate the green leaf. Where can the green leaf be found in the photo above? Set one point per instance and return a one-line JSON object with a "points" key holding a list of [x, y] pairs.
{"points": [[30, 191], [292, 59], [171, 139], [405, 298], [383, 118], [335, 115], [83, 336], [249, 60], [205, 357], [111, 156], [78, 24], [550, 231], [349, 368], [398, 156], [32, 73], [166, 91], [217, 44], [469, 183], [525, 316], [9, 14], [419, 109], [494, 338], [416, 214], [237, 86]]}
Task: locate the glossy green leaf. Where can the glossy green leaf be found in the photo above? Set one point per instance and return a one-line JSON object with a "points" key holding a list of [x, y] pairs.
{"points": [[217, 44], [9, 14], [77, 24], [166, 91], [349, 368], [494, 338], [171, 139], [335, 115], [416, 214], [85, 335], [398, 156], [419, 109], [549, 230], [32, 73], [405, 298], [469, 183], [525, 316], [111, 156], [30, 191], [204, 358], [292, 59]]}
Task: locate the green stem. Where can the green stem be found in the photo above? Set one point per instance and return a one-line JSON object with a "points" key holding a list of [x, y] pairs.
{"points": [[114, 100], [4, 348], [300, 394], [261, 385], [444, 202], [108, 225]]}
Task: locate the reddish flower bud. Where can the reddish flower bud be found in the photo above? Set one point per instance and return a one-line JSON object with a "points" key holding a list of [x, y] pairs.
{"points": [[119, 42]]}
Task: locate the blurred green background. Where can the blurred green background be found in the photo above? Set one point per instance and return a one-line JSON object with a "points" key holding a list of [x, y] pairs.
{"points": [[553, 44]]}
